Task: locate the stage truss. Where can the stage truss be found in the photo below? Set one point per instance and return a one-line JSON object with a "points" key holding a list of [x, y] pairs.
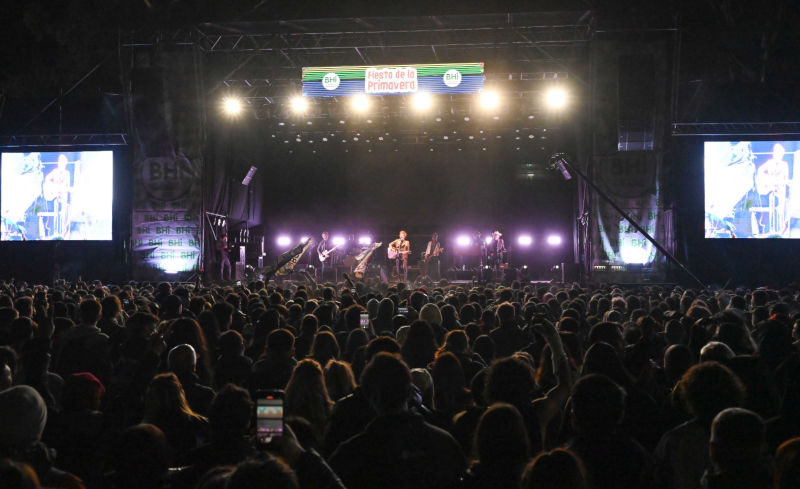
{"points": [[260, 62]]}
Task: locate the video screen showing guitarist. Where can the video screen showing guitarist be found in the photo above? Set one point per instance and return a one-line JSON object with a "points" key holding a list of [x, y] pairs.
{"points": [[431, 258], [57, 189], [325, 252], [399, 250]]}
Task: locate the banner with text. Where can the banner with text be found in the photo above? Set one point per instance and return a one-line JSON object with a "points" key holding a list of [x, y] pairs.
{"points": [[338, 81], [632, 180], [166, 213], [167, 165]]}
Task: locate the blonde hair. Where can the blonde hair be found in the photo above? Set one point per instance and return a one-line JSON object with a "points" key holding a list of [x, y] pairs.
{"points": [[339, 379], [307, 396], [165, 398]]}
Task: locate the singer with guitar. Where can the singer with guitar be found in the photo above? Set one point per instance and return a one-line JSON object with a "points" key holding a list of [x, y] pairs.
{"points": [[399, 250], [497, 251], [430, 258], [325, 253]]}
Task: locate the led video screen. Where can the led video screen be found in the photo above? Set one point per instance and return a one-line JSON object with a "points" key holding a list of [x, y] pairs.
{"points": [[56, 195], [751, 190]]}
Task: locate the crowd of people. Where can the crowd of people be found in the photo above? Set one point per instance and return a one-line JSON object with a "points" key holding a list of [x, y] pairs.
{"points": [[153, 386]]}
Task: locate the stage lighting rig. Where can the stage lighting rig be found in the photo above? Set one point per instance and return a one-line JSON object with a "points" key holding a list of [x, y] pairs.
{"points": [[555, 98], [422, 101], [299, 104], [489, 99], [232, 105], [360, 103], [249, 177]]}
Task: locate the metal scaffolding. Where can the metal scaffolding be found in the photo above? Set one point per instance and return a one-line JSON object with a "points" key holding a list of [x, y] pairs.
{"points": [[261, 61]]}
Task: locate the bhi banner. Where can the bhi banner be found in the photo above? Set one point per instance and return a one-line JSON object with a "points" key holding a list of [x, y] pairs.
{"points": [[338, 81]]}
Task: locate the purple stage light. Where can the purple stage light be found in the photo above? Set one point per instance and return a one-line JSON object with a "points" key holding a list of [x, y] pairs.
{"points": [[284, 241], [365, 240], [554, 240], [338, 240], [524, 240], [304, 239], [463, 241], [488, 240]]}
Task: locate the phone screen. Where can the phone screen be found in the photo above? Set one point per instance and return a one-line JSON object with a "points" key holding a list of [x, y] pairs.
{"points": [[269, 418], [364, 321], [402, 310]]}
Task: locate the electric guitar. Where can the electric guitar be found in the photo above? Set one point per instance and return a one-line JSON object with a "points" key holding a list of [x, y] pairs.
{"points": [[327, 253], [436, 252]]}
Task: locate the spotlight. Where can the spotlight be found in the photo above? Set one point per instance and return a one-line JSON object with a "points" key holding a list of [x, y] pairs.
{"points": [[463, 241], [422, 101], [555, 98], [554, 240], [304, 239], [299, 104], [338, 240], [365, 240], [283, 241], [232, 105], [489, 99], [360, 103], [488, 240], [524, 240]]}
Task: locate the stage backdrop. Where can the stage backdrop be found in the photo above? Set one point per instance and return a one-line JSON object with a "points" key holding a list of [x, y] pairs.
{"points": [[166, 121]]}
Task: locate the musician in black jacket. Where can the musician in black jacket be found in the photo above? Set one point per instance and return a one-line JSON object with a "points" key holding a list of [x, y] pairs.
{"points": [[324, 252]]}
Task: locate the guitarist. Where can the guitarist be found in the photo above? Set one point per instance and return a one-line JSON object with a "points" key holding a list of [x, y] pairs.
{"points": [[431, 257], [324, 252], [399, 249]]}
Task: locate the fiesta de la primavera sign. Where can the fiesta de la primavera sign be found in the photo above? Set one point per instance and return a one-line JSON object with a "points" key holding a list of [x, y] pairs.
{"points": [[339, 81]]}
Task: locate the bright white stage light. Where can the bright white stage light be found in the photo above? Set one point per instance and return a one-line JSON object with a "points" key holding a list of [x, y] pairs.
{"points": [[555, 98], [422, 101], [304, 239], [488, 240], [365, 240], [360, 103], [283, 241], [524, 240], [463, 241], [489, 99], [232, 105], [299, 104], [338, 240], [554, 240]]}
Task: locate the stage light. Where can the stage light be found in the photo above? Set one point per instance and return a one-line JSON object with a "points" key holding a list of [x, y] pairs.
{"points": [[422, 101], [304, 239], [463, 241], [299, 104], [524, 240], [283, 241], [488, 240], [630, 254], [365, 240], [360, 103], [338, 240], [554, 240], [489, 99], [232, 105], [555, 98]]}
